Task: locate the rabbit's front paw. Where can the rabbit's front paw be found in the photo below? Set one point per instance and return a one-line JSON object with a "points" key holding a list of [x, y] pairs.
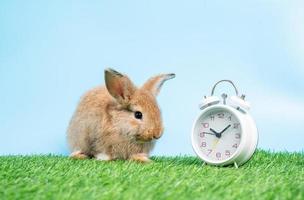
{"points": [[78, 155], [103, 157], [140, 157]]}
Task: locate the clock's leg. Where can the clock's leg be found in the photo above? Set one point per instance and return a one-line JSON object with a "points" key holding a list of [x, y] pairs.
{"points": [[203, 164], [236, 165]]}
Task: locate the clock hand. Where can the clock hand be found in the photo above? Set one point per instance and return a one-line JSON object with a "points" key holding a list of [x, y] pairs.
{"points": [[225, 129], [218, 135], [209, 133], [213, 131], [215, 142]]}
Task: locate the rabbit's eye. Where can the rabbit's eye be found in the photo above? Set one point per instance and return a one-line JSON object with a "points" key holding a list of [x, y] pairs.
{"points": [[138, 115]]}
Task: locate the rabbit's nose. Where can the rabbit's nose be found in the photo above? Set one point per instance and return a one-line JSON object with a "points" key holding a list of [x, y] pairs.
{"points": [[156, 136], [143, 137]]}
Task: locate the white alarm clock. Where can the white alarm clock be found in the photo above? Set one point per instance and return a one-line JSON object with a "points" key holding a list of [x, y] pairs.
{"points": [[224, 133]]}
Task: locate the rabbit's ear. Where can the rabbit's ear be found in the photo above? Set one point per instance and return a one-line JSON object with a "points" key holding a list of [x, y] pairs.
{"points": [[119, 86], [155, 83]]}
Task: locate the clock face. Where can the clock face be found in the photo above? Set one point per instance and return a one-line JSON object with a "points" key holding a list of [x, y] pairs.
{"points": [[218, 133]]}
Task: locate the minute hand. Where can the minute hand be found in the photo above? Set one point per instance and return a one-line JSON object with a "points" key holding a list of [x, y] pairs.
{"points": [[225, 129]]}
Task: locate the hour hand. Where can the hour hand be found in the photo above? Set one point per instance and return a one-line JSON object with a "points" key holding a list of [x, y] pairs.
{"points": [[213, 131], [218, 135]]}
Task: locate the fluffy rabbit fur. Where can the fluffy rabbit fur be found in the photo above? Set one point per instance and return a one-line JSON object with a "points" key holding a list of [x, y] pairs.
{"points": [[105, 126]]}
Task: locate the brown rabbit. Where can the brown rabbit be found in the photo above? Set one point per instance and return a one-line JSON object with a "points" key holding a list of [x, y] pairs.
{"points": [[119, 121]]}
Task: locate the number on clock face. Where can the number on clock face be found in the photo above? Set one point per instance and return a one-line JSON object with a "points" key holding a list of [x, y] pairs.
{"points": [[219, 135]]}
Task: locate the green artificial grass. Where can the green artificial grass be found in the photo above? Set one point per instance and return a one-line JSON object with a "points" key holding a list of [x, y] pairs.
{"points": [[266, 176]]}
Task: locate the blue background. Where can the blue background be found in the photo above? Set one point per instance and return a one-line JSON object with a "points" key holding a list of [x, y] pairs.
{"points": [[51, 52]]}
